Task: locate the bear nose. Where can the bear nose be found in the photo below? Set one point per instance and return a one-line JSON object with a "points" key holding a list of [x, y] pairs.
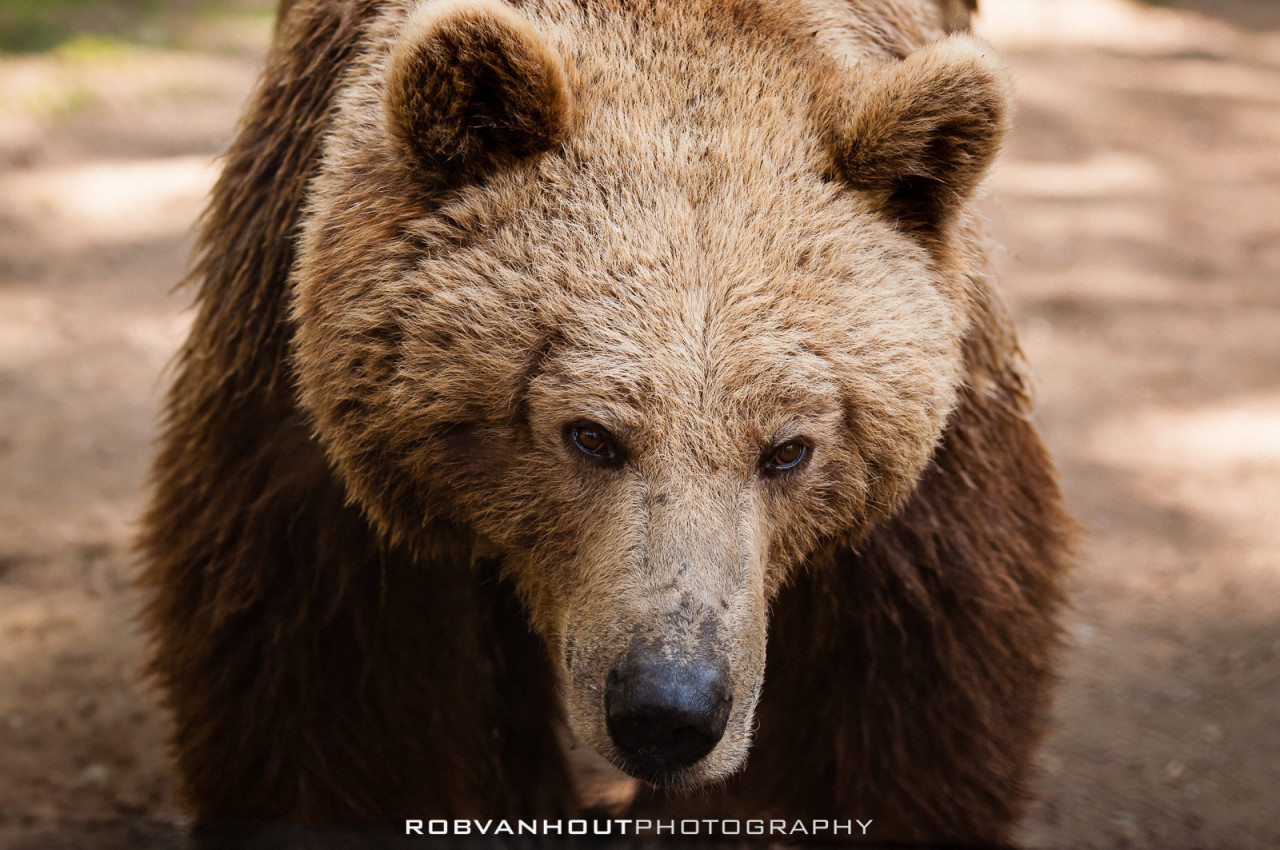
{"points": [[664, 715]]}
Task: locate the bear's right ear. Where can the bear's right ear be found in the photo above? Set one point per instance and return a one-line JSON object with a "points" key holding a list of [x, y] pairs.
{"points": [[472, 86], [919, 135]]}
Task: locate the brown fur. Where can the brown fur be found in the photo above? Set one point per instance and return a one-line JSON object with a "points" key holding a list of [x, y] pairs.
{"points": [[711, 227], [920, 136]]}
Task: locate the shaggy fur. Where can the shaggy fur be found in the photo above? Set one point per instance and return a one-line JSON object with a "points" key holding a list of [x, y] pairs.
{"points": [[384, 577]]}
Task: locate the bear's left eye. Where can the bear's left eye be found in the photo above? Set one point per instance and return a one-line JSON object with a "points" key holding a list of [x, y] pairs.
{"points": [[787, 456]]}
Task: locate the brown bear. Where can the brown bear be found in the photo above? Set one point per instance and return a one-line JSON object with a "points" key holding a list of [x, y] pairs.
{"points": [[622, 371]]}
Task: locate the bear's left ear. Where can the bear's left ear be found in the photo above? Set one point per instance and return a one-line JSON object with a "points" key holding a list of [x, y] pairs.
{"points": [[471, 85], [920, 134]]}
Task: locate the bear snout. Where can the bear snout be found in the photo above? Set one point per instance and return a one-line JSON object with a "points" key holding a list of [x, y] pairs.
{"points": [[665, 714]]}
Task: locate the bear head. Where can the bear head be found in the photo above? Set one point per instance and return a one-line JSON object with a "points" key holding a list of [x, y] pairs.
{"points": [[653, 311]]}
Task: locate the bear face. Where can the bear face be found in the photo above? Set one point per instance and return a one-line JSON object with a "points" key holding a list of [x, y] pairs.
{"points": [[652, 314]]}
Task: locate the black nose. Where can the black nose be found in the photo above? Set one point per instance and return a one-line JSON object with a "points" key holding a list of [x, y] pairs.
{"points": [[664, 715]]}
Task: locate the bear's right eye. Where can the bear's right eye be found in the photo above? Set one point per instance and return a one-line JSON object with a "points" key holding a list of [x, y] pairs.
{"points": [[594, 441]]}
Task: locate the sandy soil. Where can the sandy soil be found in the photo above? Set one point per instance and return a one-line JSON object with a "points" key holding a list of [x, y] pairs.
{"points": [[1138, 213]]}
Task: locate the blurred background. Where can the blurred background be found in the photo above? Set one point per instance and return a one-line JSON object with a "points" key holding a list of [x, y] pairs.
{"points": [[1136, 213]]}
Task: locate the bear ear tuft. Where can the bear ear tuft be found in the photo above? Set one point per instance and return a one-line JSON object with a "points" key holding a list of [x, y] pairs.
{"points": [[472, 86], [920, 134]]}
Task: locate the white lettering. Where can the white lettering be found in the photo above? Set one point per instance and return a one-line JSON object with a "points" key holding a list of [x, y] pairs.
{"points": [[864, 826], [413, 827]]}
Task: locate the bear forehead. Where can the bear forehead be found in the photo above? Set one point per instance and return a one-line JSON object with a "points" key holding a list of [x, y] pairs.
{"points": [[690, 354], [656, 287], [680, 106], [759, 306]]}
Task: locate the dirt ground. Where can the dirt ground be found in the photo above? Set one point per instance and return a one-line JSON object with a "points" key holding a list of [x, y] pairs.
{"points": [[1137, 211]]}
